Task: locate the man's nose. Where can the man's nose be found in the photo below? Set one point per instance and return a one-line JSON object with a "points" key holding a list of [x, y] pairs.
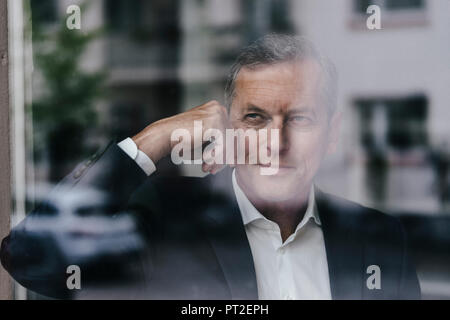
{"points": [[282, 139]]}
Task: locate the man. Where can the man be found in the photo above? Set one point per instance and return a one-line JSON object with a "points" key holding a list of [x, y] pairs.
{"points": [[238, 234]]}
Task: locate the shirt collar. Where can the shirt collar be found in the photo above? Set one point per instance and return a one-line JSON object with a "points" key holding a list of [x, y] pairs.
{"points": [[250, 213]]}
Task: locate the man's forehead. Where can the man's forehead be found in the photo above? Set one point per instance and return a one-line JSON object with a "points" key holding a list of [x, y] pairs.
{"points": [[289, 73], [284, 83]]}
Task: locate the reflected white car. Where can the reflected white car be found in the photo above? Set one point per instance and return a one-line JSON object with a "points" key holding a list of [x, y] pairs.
{"points": [[83, 225]]}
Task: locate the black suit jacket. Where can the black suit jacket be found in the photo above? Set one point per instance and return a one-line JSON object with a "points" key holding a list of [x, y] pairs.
{"points": [[196, 242]]}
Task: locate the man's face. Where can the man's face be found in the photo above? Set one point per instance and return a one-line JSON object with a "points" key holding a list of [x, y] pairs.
{"points": [[283, 96]]}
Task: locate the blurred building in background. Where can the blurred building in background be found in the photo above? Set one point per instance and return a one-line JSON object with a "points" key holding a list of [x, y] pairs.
{"points": [[165, 56], [393, 93]]}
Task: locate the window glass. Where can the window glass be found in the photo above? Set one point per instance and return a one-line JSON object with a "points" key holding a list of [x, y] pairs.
{"points": [[87, 75]]}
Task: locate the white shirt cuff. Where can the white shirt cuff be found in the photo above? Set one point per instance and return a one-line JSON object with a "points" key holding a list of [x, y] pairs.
{"points": [[141, 159]]}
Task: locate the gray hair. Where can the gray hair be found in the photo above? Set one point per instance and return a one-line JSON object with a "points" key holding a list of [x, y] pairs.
{"points": [[277, 48]]}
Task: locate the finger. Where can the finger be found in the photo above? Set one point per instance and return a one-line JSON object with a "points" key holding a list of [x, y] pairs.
{"points": [[206, 167], [217, 168]]}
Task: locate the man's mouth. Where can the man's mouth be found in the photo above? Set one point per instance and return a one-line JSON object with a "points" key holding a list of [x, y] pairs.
{"points": [[275, 165], [277, 170]]}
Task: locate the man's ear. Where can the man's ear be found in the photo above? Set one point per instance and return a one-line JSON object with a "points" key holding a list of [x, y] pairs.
{"points": [[333, 132]]}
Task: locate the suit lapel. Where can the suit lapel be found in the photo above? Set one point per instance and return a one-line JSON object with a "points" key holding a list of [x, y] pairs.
{"points": [[225, 231], [344, 244]]}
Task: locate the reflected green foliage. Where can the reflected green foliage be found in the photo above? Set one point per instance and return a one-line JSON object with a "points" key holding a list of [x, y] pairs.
{"points": [[64, 108], [69, 92]]}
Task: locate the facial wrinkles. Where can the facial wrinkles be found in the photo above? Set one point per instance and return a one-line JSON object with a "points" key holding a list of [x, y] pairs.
{"points": [[277, 87], [274, 97]]}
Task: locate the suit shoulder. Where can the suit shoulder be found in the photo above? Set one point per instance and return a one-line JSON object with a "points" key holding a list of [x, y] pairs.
{"points": [[373, 220]]}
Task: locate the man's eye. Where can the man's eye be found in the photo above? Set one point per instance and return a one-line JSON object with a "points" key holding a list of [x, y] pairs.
{"points": [[253, 116], [301, 120]]}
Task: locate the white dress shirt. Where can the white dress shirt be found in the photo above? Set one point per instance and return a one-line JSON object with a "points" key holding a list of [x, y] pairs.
{"points": [[142, 160], [295, 269]]}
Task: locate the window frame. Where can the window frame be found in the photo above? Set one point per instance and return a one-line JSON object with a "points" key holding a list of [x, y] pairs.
{"points": [[5, 155]]}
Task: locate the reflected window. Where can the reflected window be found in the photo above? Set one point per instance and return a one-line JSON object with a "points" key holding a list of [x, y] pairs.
{"points": [[144, 20], [122, 14], [44, 11], [398, 123], [394, 13], [360, 6]]}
